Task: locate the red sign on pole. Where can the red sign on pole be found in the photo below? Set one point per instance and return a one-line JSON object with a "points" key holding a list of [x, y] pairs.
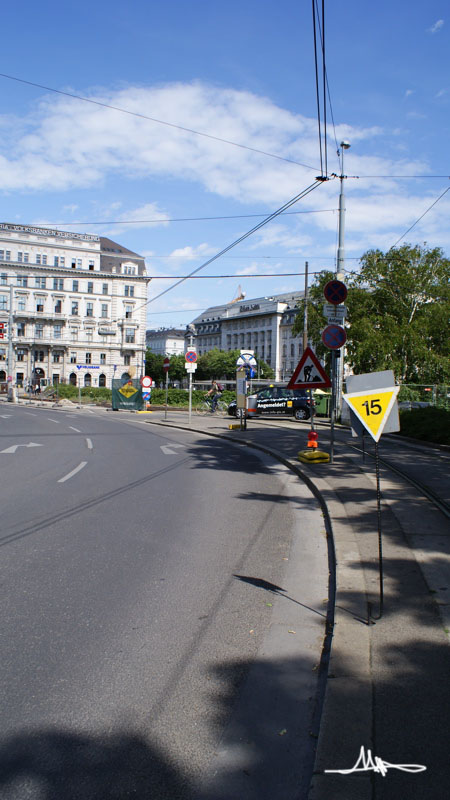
{"points": [[334, 337], [166, 364], [335, 292], [309, 373]]}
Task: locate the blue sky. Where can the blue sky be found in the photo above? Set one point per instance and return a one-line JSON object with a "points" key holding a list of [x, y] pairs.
{"points": [[241, 71]]}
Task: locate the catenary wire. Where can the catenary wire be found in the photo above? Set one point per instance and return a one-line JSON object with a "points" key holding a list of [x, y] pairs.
{"points": [[316, 69], [242, 238], [422, 216], [183, 219], [158, 121]]}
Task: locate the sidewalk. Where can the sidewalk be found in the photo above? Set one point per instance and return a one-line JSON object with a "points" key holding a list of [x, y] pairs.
{"points": [[387, 686]]}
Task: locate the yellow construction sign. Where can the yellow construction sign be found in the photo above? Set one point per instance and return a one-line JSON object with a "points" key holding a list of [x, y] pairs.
{"points": [[128, 390], [372, 407]]}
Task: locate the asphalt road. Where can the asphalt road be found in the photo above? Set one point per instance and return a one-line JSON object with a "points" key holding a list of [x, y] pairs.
{"points": [[163, 603]]}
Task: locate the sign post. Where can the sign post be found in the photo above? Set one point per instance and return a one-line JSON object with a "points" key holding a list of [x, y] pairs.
{"points": [[372, 400], [166, 367], [334, 337], [190, 367], [241, 396]]}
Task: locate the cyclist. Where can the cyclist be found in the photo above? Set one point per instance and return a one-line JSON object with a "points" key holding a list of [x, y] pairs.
{"points": [[214, 393]]}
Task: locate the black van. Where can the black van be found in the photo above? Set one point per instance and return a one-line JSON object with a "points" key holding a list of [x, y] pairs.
{"points": [[276, 400]]}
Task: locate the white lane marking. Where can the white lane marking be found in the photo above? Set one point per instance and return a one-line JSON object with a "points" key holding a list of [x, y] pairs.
{"points": [[15, 446], [74, 429], [167, 449], [89, 444], [74, 472], [53, 420], [5, 416]]}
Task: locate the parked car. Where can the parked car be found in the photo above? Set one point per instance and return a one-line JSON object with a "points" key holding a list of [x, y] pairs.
{"points": [[279, 400]]}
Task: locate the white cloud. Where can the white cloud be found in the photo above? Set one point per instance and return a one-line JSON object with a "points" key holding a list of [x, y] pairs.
{"points": [[146, 216], [409, 92], [436, 27], [441, 93]]}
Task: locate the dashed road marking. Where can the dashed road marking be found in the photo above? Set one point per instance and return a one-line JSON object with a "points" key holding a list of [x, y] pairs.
{"points": [[74, 472]]}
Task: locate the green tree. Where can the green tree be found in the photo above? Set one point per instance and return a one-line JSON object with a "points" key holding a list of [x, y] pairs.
{"points": [[154, 366], [399, 304], [398, 308], [222, 364]]}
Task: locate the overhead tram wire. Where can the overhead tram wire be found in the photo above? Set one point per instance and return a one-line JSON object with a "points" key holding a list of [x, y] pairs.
{"points": [[184, 219], [422, 216], [242, 238], [316, 69], [158, 121]]}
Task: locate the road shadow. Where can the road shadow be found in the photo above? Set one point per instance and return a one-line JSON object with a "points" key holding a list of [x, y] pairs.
{"points": [[56, 764]]}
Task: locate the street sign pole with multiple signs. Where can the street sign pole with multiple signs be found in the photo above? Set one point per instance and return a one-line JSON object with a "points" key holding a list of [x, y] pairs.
{"points": [[190, 367], [334, 337], [166, 367]]}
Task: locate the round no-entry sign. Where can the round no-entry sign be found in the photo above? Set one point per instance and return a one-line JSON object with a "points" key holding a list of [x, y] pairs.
{"points": [[166, 364], [146, 382], [335, 292], [334, 337], [191, 356]]}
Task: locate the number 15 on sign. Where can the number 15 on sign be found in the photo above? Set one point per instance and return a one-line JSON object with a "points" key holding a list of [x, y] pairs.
{"points": [[373, 407]]}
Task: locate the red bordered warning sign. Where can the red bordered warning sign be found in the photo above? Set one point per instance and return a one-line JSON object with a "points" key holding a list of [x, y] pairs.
{"points": [[309, 373]]}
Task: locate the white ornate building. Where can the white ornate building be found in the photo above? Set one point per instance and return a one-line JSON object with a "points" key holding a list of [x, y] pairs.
{"points": [[263, 324], [72, 307]]}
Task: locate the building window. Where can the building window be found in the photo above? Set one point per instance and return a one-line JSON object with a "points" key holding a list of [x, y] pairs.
{"points": [[57, 356], [20, 329], [127, 360], [73, 358], [38, 258], [89, 334], [2, 354], [3, 302], [129, 291], [129, 335], [58, 284], [104, 313], [128, 312], [21, 355], [40, 306], [90, 287], [44, 259], [102, 358], [19, 256], [39, 330], [73, 378], [58, 307], [88, 358], [74, 311], [91, 266], [292, 350], [56, 261], [87, 379], [38, 355], [105, 288], [57, 331], [3, 277], [74, 264], [102, 379], [75, 286], [79, 263], [89, 309], [21, 304], [74, 334], [40, 283], [22, 280], [62, 261]]}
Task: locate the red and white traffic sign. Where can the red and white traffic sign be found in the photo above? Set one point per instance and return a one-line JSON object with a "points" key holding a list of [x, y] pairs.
{"points": [[335, 292], [334, 337], [146, 382], [309, 373], [166, 364], [191, 357]]}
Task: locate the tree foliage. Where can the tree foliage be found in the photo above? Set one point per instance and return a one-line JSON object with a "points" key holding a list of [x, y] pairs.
{"points": [[214, 364], [398, 309]]}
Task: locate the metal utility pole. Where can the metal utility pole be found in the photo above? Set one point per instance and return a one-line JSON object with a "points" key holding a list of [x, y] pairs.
{"points": [[340, 265], [305, 339], [341, 249]]}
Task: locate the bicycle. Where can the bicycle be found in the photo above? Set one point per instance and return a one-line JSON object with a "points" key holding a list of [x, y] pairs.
{"points": [[205, 407]]}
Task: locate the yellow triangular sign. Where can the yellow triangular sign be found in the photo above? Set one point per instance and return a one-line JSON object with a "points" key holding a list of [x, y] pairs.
{"points": [[372, 407]]}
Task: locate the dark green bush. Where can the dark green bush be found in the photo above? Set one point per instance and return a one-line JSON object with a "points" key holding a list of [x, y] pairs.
{"points": [[429, 424]]}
